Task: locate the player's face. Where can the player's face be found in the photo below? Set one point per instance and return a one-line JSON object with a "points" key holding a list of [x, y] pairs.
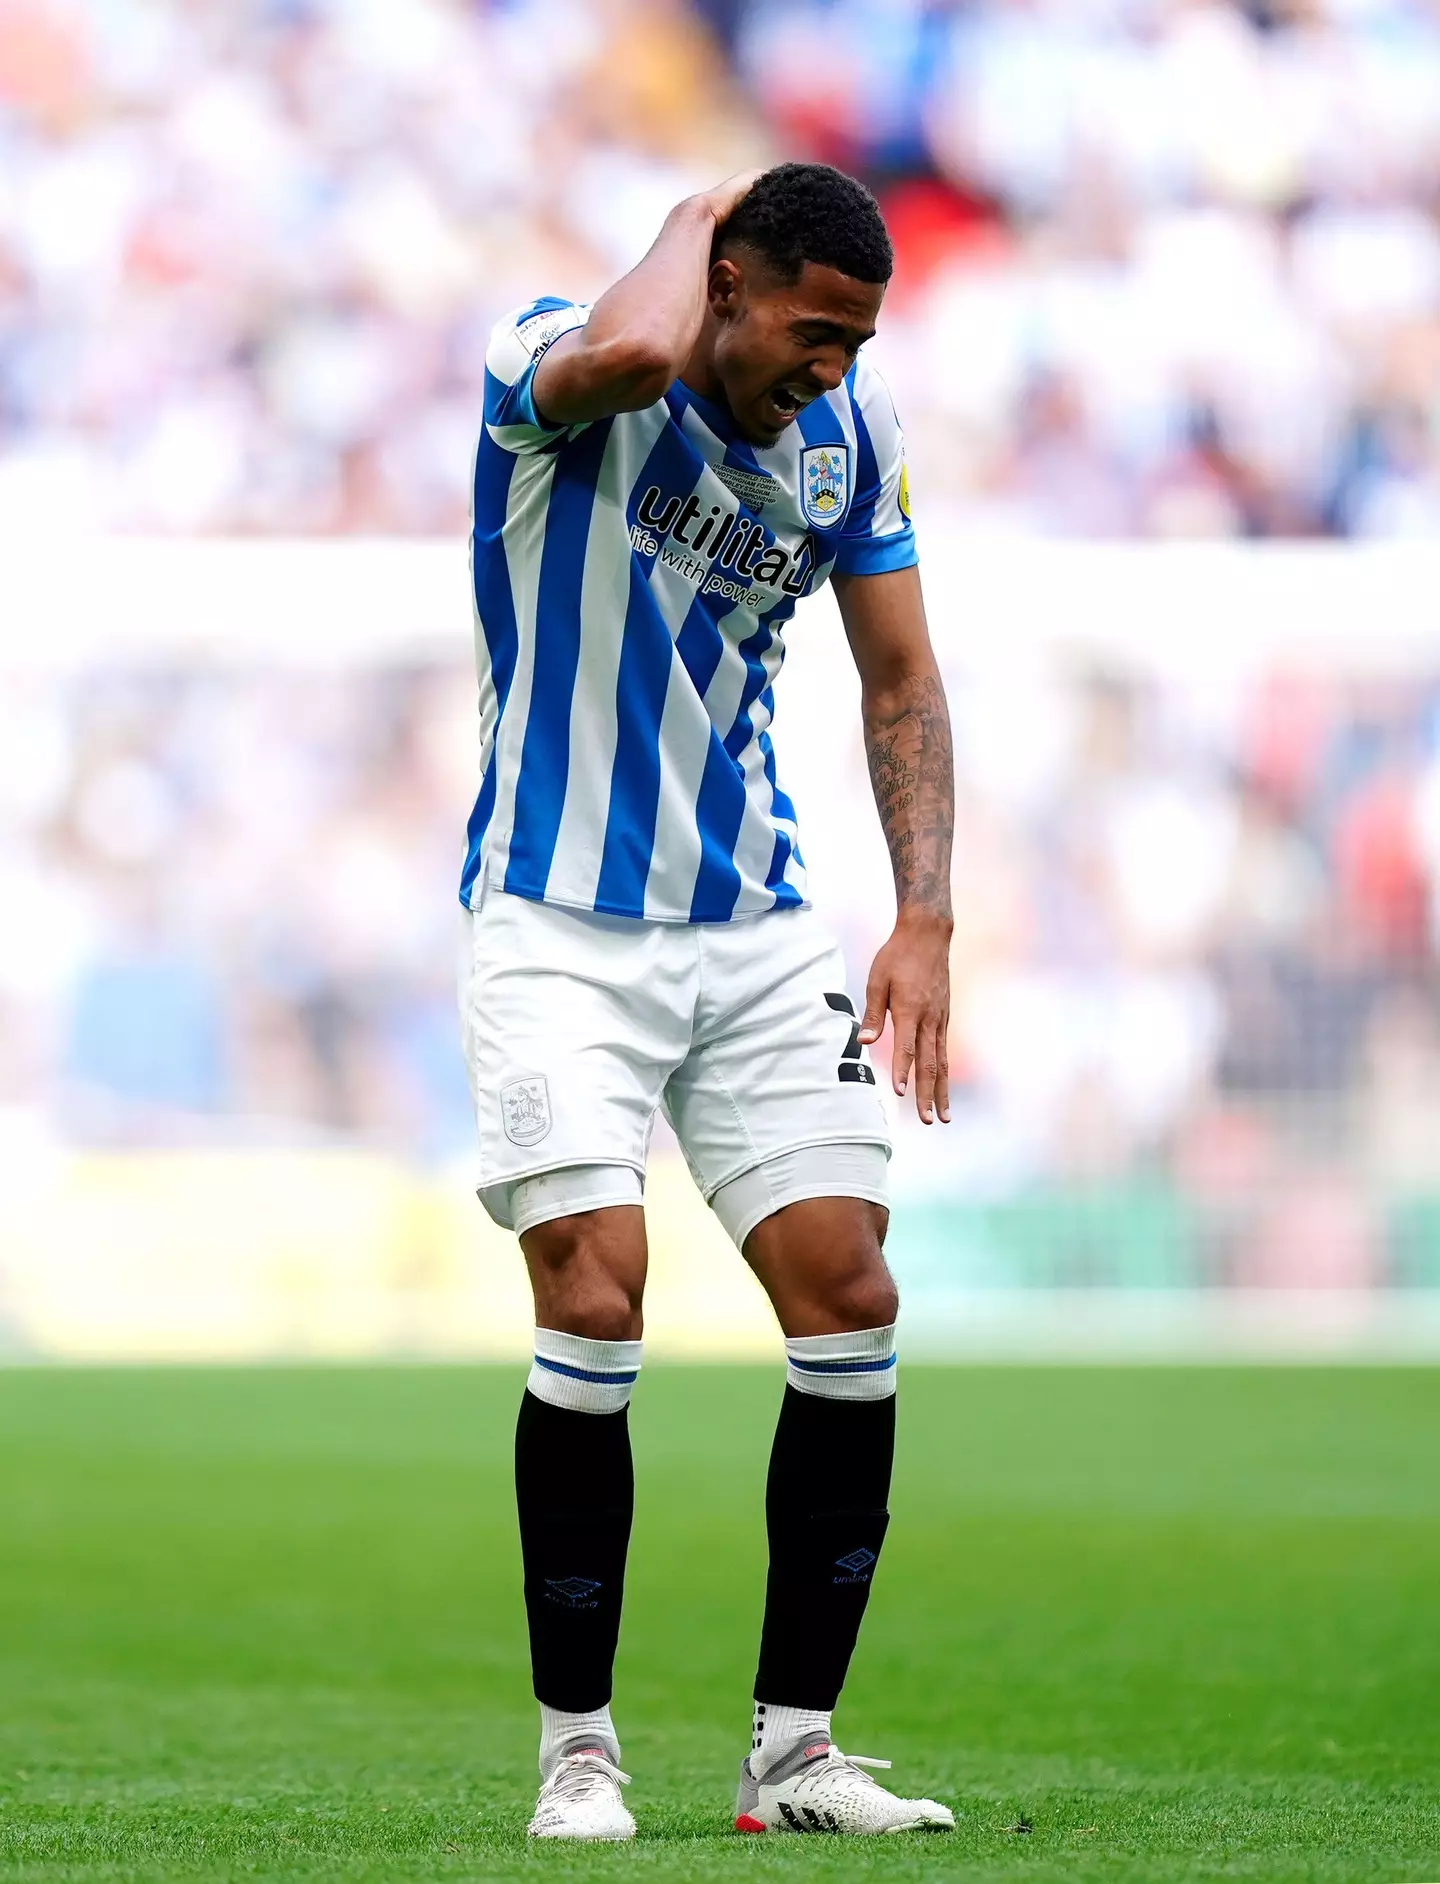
{"points": [[779, 345]]}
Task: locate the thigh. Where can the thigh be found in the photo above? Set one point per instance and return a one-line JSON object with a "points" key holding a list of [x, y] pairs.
{"points": [[776, 1062], [820, 1262], [571, 1025], [587, 1271]]}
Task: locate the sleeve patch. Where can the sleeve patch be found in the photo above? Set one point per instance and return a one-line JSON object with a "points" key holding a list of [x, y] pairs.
{"points": [[541, 331]]}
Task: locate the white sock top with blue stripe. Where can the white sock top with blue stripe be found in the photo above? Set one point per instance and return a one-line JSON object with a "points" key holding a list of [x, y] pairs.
{"points": [[585, 1376], [858, 1366]]}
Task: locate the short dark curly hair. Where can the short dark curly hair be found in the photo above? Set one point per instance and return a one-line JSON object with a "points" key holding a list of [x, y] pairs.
{"points": [[798, 213]]}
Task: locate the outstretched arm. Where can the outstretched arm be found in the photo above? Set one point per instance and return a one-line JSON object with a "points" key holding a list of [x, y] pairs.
{"points": [[907, 743], [640, 332]]}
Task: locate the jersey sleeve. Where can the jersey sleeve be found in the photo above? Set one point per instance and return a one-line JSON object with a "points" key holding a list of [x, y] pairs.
{"points": [[517, 346], [877, 536]]}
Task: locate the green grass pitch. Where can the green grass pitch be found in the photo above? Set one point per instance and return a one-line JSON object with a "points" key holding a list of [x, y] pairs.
{"points": [[1181, 1624]]}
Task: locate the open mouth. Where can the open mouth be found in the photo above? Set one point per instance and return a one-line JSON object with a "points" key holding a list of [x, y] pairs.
{"points": [[786, 401]]}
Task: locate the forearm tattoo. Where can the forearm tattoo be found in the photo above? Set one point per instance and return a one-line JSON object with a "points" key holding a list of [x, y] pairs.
{"points": [[907, 744]]}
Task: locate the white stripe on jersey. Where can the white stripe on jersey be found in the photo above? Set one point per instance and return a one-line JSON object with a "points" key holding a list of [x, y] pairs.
{"points": [[604, 597], [632, 579], [524, 537]]}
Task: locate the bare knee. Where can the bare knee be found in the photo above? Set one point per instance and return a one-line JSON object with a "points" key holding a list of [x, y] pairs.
{"points": [[861, 1292], [588, 1273], [821, 1264]]}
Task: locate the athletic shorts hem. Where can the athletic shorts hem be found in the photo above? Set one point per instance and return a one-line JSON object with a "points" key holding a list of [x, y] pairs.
{"points": [[567, 1163], [599, 907], [804, 1194], [813, 1142]]}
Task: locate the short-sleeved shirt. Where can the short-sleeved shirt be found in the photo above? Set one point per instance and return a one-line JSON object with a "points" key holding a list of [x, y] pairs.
{"points": [[633, 577]]}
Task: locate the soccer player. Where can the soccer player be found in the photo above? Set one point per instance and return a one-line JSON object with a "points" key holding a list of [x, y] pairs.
{"points": [[660, 477]]}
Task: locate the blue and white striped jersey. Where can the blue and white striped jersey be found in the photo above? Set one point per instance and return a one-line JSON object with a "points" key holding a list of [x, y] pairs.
{"points": [[632, 579]]}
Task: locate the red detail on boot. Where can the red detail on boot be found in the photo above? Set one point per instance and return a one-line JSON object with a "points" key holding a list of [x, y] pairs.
{"points": [[746, 1824]]}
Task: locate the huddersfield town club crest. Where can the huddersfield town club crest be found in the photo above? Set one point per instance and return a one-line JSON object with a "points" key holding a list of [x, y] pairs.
{"points": [[525, 1108], [824, 483]]}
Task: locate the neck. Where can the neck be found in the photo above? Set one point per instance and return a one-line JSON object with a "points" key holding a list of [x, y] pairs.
{"points": [[698, 372]]}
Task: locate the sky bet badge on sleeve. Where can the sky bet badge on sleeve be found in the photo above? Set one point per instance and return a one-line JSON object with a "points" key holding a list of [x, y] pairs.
{"points": [[824, 483]]}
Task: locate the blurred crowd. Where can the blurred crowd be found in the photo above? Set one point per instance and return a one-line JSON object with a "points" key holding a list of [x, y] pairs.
{"points": [[251, 250], [239, 906], [1166, 267], [1197, 1028], [1169, 267], [1196, 1034]]}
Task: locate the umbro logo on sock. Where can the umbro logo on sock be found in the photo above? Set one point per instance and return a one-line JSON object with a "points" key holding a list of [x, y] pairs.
{"points": [[857, 1561], [576, 1591], [857, 1564]]}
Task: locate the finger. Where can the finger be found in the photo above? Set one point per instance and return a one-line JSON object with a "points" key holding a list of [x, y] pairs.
{"points": [[872, 1022], [942, 1070], [903, 1057], [925, 1071], [726, 197]]}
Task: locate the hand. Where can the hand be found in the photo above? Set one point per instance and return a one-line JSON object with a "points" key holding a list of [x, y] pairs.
{"points": [[911, 978], [725, 197]]}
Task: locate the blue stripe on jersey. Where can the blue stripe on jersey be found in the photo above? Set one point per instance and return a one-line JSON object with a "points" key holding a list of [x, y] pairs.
{"points": [[545, 755], [720, 808], [742, 727], [542, 304], [861, 520], [700, 643], [495, 606], [646, 656], [719, 812], [785, 894]]}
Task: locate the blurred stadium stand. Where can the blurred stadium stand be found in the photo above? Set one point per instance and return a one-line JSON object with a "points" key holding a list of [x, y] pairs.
{"points": [[1168, 269], [1196, 1036]]}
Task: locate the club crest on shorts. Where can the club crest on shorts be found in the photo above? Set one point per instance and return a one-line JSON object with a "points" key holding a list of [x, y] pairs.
{"points": [[525, 1110], [824, 483]]}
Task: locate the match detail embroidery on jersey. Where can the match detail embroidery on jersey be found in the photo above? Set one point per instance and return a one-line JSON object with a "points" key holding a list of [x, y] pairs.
{"points": [[755, 489]]}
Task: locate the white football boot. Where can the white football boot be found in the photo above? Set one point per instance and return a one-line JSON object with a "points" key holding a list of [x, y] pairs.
{"points": [[581, 1798], [814, 1787]]}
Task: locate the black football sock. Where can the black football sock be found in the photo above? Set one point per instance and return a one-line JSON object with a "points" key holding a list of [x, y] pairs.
{"points": [[825, 1510], [575, 1488]]}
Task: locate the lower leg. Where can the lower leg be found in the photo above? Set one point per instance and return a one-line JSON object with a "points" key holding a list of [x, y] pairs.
{"points": [[829, 1480], [573, 1473]]}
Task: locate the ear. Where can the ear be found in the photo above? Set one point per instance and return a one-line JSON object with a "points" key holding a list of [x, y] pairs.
{"points": [[726, 289]]}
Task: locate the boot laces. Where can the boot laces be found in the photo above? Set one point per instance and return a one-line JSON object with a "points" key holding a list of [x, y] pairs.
{"points": [[839, 1771], [581, 1776]]}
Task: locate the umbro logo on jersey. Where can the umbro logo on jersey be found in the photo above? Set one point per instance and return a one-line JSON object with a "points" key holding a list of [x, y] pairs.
{"points": [[525, 1110]]}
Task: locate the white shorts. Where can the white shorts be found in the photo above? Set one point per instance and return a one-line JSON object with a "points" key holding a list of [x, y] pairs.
{"points": [[578, 1028]]}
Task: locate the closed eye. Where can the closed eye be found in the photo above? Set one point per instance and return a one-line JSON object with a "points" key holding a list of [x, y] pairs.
{"points": [[824, 335]]}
